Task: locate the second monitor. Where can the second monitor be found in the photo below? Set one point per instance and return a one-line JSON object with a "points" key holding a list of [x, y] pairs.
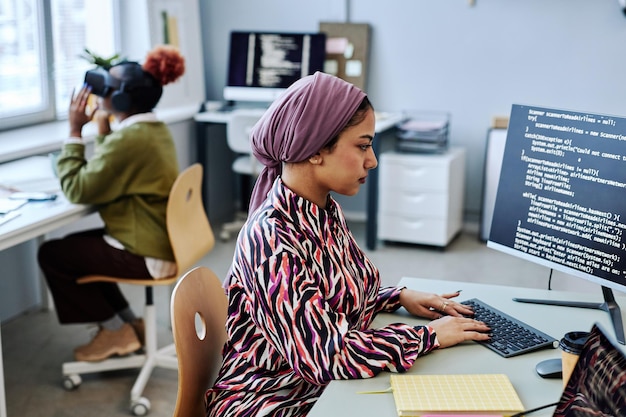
{"points": [[263, 64]]}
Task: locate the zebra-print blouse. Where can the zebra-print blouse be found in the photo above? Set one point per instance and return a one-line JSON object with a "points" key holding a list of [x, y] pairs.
{"points": [[302, 296]]}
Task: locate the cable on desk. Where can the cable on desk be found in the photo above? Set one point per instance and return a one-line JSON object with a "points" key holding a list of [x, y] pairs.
{"points": [[532, 410]]}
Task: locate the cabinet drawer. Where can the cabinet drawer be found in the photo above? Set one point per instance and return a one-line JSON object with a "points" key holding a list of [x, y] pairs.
{"points": [[415, 203], [411, 172], [420, 230]]}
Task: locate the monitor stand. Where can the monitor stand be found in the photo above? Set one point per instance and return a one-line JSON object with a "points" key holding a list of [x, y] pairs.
{"points": [[609, 305]]}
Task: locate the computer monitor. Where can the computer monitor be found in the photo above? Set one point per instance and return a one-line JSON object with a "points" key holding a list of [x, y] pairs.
{"points": [[263, 64], [561, 198]]}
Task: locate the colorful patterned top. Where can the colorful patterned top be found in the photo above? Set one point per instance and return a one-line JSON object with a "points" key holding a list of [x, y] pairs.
{"points": [[302, 296]]}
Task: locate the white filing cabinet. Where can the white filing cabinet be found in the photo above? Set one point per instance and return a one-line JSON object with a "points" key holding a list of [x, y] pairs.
{"points": [[421, 196]]}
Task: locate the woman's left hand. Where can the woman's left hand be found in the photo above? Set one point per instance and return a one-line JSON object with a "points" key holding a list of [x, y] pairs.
{"points": [[433, 306]]}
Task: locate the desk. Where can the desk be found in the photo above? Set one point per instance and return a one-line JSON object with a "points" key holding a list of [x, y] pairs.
{"points": [[384, 122], [218, 183], [35, 219], [341, 397], [39, 218]]}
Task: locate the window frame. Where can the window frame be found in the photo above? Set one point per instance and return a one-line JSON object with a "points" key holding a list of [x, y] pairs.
{"points": [[48, 111]]}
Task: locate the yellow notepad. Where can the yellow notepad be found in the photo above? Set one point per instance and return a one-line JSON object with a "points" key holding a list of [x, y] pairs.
{"points": [[469, 394]]}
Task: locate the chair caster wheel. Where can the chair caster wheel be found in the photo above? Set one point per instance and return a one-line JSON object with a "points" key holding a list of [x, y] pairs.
{"points": [[71, 382], [140, 407]]}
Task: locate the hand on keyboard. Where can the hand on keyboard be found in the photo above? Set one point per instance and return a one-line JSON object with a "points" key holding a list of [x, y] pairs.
{"points": [[450, 323], [432, 306], [454, 330], [509, 336]]}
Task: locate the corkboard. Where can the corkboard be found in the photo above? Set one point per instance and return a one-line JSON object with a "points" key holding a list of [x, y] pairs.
{"points": [[347, 51]]}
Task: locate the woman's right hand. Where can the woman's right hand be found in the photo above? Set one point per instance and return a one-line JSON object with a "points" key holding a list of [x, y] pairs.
{"points": [[454, 330]]}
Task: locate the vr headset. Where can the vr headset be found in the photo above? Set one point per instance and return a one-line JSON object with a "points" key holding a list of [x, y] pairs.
{"points": [[102, 83]]}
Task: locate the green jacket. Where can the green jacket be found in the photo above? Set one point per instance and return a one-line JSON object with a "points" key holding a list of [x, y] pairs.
{"points": [[129, 179]]}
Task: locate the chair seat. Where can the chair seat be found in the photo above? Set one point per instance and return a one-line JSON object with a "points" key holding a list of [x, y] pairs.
{"points": [[132, 281]]}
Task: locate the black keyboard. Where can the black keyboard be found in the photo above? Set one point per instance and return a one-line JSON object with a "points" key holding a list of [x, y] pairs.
{"points": [[510, 336]]}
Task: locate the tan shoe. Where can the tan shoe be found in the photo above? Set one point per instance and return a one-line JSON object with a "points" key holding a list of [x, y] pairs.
{"points": [[108, 343], [140, 330]]}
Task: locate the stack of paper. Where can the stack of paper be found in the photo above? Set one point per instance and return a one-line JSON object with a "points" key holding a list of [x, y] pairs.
{"points": [[10, 204], [466, 394]]}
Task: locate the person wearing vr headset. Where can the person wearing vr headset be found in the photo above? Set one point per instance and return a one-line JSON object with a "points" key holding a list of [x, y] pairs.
{"points": [[128, 179]]}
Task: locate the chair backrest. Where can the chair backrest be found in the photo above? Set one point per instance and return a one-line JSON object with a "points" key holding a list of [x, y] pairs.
{"points": [[238, 129], [190, 232], [188, 227], [198, 312]]}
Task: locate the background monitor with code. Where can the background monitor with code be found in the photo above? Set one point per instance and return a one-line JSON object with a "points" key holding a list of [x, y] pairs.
{"points": [[263, 64], [561, 198]]}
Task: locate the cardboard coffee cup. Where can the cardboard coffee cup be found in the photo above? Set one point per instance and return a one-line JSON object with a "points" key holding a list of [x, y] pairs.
{"points": [[571, 345]]}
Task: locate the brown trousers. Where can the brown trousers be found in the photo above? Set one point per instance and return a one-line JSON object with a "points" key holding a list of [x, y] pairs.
{"points": [[65, 260]]}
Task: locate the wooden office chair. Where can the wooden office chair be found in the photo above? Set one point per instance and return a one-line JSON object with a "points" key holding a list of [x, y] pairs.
{"points": [[191, 237], [198, 312], [245, 164]]}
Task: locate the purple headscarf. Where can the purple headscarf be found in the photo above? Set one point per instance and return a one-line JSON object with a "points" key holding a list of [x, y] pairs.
{"points": [[299, 123]]}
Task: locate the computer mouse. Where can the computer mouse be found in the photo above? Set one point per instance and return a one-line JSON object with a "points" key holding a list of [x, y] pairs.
{"points": [[550, 368]]}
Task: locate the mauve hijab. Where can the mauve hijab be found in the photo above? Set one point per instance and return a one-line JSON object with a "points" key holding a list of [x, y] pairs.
{"points": [[311, 112]]}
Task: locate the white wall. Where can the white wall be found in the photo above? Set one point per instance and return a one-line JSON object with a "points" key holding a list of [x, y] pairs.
{"points": [[446, 55], [141, 29]]}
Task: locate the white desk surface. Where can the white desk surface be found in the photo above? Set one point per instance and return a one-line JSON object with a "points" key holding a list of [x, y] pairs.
{"points": [[384, 121], [343, 398], [35, 218], [38, 218]]}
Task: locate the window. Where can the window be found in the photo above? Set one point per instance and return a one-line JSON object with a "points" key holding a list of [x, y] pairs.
{"points": [[41, 43]]}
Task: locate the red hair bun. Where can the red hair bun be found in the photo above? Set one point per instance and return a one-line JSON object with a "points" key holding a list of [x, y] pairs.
{"points": [[165, 64]]}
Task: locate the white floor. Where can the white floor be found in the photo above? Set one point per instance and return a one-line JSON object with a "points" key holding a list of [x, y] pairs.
{"points": [[35, 345]]}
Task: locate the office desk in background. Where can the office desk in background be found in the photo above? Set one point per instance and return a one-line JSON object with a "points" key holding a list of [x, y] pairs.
{"points": [[219, 196], [212, 151], [36, 218], [343, 398]]}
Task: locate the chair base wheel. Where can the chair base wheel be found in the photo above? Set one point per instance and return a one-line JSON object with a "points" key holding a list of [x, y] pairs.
{"points": [[224, 236], [141, 407], [71, 382]]}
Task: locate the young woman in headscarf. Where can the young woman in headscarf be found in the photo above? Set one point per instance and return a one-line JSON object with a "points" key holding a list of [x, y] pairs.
{"points": [[302, 294]]}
